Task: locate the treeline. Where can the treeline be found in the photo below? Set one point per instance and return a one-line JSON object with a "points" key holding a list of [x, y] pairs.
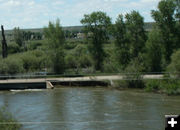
{"points": [[134, 47], [121, 47]]}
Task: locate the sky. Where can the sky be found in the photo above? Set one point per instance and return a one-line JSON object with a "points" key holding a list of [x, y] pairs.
{"points": [[37, 13]]}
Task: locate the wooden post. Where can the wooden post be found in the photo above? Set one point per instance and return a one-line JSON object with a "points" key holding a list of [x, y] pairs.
{"points": [[4, 44]]}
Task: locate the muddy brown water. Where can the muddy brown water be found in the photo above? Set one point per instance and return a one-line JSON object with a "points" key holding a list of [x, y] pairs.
{"points": [[89, 108]]}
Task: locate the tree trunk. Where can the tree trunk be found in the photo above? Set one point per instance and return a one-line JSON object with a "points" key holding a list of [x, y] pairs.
{"points": [[4, 44]]}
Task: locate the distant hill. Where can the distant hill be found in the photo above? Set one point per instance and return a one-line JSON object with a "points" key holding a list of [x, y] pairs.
{"points": [[148, 26]]}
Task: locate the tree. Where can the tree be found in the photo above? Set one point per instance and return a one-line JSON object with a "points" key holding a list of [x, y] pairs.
{"points": [[174, 66], [154, 51], [97, 24], [18, 36], [177, 15], [121, 42], [166, 23], [4, 44], [135, 32], [56, 39]]}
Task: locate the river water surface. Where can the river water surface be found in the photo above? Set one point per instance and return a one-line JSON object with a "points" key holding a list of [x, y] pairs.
{"points": [[88, 108]]}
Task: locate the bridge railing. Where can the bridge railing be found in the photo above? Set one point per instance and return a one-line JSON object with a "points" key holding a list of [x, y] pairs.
{"points": [[127, 74]]}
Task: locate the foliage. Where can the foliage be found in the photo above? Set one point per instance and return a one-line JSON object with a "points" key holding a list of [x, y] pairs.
{"points": [[33, 60], [11, 66], [97, 24], [170, 86], [56, 39], [18, 36], [133, 73], [154, 51], [7, 117], [58, 62], [71, 61], [166, 23], [121, 42], [23, 62], [174, 66], [78, 58], [32, 45], [152, 85], [135, 32], [13, 48], [110, 64]]}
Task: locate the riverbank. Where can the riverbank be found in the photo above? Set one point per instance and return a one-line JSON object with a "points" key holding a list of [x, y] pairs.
{"points": [[162, 86], [150, 83]]}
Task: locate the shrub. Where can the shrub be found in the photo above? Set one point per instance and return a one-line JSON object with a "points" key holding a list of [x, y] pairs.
{"points": [[174, 66], [3, 68], [7, 117], [168, 86], [152, 85], [13, 48], [33, 61], [133, 71], [58, 61], [121, 84], [14, 66], [171, 86], [11, 66], [85, 61], [70, 45], [70, 61], [33, 45]]}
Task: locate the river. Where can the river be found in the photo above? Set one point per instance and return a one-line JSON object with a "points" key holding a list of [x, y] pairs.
{"points": [[88, 108]]}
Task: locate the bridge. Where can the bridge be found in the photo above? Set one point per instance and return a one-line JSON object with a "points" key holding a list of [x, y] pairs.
{"points": [[43, 83]]}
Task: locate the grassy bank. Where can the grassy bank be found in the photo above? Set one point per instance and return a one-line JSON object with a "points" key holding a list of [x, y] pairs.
{"points": [[166, 86]]}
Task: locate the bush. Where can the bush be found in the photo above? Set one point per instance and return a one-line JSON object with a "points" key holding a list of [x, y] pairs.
{"points": [[168, 86], [7, 117], [3, 68], [70, 61], [33, 61], [174, 66], [70, 45], [78, 57], [133, 74], [11, 66], [33, 45], [110, 63], [13, 48], [14, 66], [171, 86], [85, 61], [58, 61], [121, 84], [152, 85]]}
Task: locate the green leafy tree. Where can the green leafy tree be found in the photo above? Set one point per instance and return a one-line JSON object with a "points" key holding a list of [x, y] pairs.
{"points": [[166, 22], [177, 3], [135, 32], [174, 66], [18, 36], [56, 39], [121, 42], [97, 24], [154, 51]]}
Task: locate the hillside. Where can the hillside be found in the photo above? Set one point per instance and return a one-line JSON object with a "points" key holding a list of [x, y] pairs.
{"points": [[148, 26]]}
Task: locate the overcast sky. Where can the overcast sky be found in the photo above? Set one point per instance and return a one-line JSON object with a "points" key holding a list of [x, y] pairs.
{"points": [[37, 13]]}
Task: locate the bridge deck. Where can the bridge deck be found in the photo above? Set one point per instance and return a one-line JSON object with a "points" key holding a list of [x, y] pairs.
{"points": [[89, 78]]}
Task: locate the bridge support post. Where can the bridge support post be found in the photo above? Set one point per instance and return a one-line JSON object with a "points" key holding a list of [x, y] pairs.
{"points": [[49, 85]]}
